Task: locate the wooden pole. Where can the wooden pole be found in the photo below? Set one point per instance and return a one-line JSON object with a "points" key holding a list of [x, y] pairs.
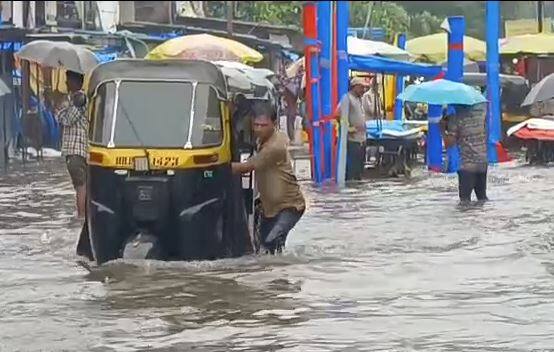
{"points": [[230, 15]]}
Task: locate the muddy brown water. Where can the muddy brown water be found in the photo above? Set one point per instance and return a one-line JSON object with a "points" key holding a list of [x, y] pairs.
{"points": [[386, 265]]}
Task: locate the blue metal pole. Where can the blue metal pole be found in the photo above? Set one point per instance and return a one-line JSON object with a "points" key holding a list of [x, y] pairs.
{"points": [[434, 139], [455, 72], [494, 119], [313, 101], [343, 18], [325, 37], [398, 106]]}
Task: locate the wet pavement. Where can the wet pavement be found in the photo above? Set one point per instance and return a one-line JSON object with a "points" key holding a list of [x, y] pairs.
{"points": [[387, 265]]}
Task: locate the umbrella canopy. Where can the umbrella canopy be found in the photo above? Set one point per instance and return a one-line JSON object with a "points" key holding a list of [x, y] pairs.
{"points": [[204, 47], [442, 92], [59, 54], [541, 43], [542, 91], [250, 81], [433, 48], [542, 124]]}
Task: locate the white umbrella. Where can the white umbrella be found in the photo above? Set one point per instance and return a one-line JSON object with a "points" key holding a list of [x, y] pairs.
{"points": [[364, 47], [244, 79], [59, 54]]}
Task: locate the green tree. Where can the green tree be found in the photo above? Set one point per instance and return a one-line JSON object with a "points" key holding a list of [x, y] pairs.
{"points": [[269, 12], [424, 23], [387, 15], [417, 18], [473, 11], [282, 13]]}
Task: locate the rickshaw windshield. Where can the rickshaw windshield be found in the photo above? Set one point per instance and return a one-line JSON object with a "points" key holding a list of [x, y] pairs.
{"points": [[158, 115]]}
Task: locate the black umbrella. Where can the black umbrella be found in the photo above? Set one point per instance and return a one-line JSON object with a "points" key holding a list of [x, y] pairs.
{"points": [[542, 91]]}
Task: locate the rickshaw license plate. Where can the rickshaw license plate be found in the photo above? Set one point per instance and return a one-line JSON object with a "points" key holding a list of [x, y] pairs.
{"points": [[165, 161], [144, 193]]}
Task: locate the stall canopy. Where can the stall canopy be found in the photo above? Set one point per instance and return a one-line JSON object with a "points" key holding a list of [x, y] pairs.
{"points": [[392, 67], [364, 47], [361, 47], [434, 48], [541, 43]]}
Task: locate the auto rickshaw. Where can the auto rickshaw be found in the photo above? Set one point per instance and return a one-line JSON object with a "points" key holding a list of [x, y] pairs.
{"points": [[162, 135]]}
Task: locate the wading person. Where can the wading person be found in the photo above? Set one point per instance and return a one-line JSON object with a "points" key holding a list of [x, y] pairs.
{"points": [[282, 201], [466, 128], [351, 107], [74, 137]]}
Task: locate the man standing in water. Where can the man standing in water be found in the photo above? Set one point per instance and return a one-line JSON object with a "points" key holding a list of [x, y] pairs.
{"points": [[351, 108], [282, 201], [466, 128], [74, 138]]}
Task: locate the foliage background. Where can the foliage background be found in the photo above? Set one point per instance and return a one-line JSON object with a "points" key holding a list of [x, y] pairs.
{"points": [[416, 18]]}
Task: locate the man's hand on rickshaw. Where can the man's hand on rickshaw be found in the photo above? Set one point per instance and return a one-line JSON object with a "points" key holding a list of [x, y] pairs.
{"points": [[242, 168]]}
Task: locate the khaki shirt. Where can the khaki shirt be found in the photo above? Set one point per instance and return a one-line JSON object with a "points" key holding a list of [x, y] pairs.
{"points": [[369, 106], [275, 179], [351, 109]]}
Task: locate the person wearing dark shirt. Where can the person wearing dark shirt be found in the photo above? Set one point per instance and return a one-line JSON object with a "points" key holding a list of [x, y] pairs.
{"points": [[466, 127]]}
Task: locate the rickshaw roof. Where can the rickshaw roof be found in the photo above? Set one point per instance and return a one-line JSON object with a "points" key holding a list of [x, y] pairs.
{"points": [[162, 70]]}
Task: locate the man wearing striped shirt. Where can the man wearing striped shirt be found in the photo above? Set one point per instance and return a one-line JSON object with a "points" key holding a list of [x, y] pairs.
{"points": [[74, 138]]}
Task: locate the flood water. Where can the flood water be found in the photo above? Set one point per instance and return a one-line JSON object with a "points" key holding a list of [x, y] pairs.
{"points": [[388, 265]]}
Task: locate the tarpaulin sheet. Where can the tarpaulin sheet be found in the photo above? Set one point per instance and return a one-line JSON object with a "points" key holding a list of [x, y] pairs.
{"points": [[392, 67]]}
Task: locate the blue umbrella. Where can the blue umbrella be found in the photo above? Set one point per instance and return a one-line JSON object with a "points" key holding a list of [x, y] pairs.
{"points": [[442, 92]]}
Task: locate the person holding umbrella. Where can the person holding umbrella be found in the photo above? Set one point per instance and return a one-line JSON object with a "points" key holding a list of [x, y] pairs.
{"points": [[74, 137], [76, 60], [464, 126]]}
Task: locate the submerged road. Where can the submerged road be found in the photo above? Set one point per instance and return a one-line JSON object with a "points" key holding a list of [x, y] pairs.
{"points": [[388, 265]]}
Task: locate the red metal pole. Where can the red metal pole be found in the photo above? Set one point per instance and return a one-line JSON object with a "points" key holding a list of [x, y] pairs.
{"points": [[310, 34]]}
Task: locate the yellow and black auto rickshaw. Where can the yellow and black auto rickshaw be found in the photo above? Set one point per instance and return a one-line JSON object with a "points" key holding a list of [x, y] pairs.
{"points": [[162, 137]]}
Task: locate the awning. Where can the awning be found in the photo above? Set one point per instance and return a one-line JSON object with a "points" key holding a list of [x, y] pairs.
{"points": [[392, 67]]}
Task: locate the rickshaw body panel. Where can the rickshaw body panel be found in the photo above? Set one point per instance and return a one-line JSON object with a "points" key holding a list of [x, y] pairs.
{"points": [[187, 202]]}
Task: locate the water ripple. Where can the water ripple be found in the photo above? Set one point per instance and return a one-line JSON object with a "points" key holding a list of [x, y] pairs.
{"points": [[384, 265]]}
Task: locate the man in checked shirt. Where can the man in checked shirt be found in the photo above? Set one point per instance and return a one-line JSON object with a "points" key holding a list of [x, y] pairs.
{"points": [[74, 138]]}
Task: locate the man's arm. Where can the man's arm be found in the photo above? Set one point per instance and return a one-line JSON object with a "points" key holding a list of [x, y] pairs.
{"points": [[368, 105], [449, 136], [70, 115], [267, 157], [344, 110], [242, 168]]}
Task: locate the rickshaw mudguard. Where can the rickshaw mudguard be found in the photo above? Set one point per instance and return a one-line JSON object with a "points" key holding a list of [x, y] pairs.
{"points": [[104, 213]]}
